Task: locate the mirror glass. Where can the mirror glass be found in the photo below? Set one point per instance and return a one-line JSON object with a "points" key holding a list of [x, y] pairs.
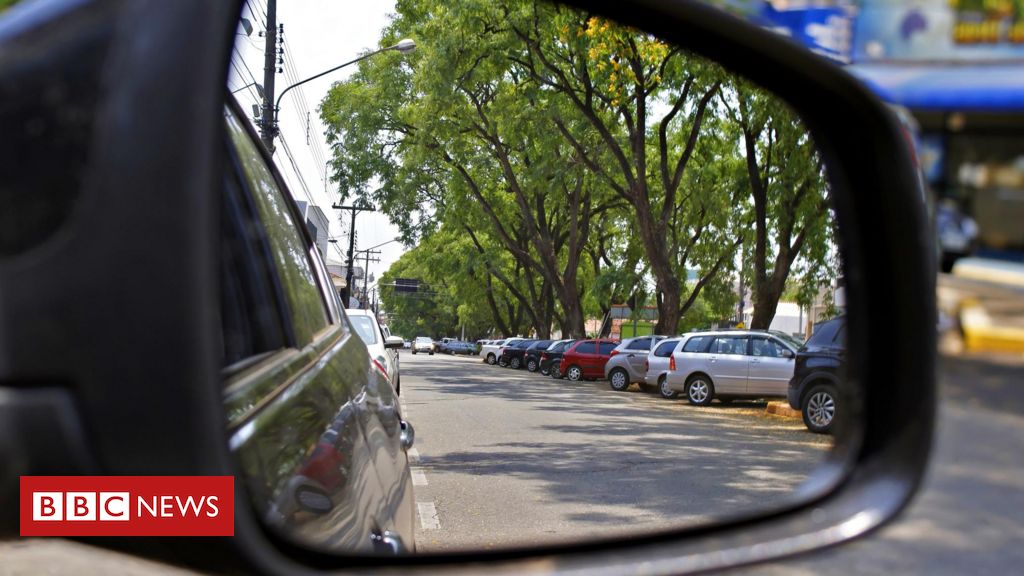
{"points": [[612, 263]]}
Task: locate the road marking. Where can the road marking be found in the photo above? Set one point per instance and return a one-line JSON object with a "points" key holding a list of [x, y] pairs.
{"points": [[428, 516], [418, 477], [414, 455]]}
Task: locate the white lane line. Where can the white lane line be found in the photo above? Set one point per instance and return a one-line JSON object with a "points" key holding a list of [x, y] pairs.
{"points": [[414, 455], [418, 477], [428, 516]]}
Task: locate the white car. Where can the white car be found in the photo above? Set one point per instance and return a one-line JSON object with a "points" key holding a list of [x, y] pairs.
{"points": [[382, 346], [423, 344], [491, 352]]}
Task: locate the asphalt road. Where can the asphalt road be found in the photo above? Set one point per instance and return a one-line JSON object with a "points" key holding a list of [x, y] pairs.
{"points": [[969, 516], [967, 520], [509, 458]]}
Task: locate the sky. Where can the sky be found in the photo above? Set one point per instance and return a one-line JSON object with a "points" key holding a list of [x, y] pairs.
{"points": [[318, 35]]}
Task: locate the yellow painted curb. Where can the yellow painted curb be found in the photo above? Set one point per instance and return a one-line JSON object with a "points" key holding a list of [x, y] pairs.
{"points": [[781, 408], [981, 335]]}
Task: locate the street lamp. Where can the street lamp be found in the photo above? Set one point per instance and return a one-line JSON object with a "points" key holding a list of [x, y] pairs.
{"points": [[404, 46]]}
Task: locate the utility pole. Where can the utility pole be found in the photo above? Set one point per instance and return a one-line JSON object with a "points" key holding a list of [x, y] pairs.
{"points": [[366, 276], [346, 297], [267, 127]]}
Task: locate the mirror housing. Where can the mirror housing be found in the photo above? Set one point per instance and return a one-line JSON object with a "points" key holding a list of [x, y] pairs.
{"points": [[394, 343], [788, 354]]}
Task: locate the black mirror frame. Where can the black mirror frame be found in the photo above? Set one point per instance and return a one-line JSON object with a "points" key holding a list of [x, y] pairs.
{"points": [[887, 253]]}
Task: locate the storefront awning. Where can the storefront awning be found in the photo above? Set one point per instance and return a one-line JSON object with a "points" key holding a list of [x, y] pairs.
{"points": [[979, 87]]}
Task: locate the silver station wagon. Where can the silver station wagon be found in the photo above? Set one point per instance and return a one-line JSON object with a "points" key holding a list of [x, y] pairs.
{"points": [[732, 364]]}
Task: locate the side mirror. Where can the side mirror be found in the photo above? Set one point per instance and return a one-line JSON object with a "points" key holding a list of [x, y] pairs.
{"points": [[394, 343], [788, 354], [83, 415]]}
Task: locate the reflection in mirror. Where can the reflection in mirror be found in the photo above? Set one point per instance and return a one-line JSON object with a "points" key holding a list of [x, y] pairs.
{"points": [[620, 281]]}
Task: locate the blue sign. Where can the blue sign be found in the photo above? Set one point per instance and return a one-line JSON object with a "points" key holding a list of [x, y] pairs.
{"points": [[827, 30]]}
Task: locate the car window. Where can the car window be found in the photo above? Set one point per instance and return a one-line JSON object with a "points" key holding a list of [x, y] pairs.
{"points": [[607, 347], [825, 333], [250, 314], [586, 348], [664, 350], [640, 344], [305, 301], [728, 345], [766, 348], [696, 344], [364, 326]]}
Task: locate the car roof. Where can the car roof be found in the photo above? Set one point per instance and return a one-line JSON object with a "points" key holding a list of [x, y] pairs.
{"points": [[360, 312]]}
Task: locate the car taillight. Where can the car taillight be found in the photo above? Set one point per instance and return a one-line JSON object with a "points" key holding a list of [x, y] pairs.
{"points": [[614, 352], [671, 362]]}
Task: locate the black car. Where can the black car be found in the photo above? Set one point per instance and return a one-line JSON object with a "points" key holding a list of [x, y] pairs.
{"points": [[816, 375], [512, 356], [531, 356], [549, 359]]}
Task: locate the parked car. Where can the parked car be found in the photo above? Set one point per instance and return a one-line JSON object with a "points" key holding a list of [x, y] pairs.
{"points": [[512, 354], [459, 347], [816, 376], [501, 349], [382, 346], [627, 362], [657, 365], [491, 349], [732, 364], [585, 359], [531, 359], [423, 344], [550, 358], [515, 356]]}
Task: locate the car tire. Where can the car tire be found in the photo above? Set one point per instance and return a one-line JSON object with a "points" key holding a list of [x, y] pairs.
{"points": [[413, 352], [666, 392], [574, 373], [545, 371], [819, 408], [531, 365], [515, 363], [431, 353], [502, 363], [554, 373], [699, 390], [491, 359], [618, 379]]}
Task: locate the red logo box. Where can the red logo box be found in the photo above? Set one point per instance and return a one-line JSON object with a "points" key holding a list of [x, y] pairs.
{"points": [[127, 506]]}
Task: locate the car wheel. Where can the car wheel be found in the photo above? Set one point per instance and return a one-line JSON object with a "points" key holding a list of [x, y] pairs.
{"points": [[666, 392], [503, 363], [618, 380], [545, 371], [491, 359], [431, 353], [819, 409], [515, 363], [413, 352], [574, 373], [531, 365], [699, 390], [554, 373]]}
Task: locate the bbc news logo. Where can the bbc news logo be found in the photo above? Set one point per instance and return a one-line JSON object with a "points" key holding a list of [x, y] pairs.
{"points": [[127, 506]]}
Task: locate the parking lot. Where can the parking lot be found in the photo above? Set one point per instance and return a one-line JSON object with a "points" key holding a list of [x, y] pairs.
{"points": [[507, 457]]}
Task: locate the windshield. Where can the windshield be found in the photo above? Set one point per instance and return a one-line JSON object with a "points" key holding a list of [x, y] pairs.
{"points": [[365, 327]]}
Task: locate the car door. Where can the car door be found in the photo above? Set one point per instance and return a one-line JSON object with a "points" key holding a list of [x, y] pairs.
{"points": [[769, 369], [604, 351], [294, 423], [728, 364], [636, 356]]}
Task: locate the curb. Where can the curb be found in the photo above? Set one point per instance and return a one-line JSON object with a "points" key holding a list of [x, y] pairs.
{"points": [[981, 334], [781, 408]]}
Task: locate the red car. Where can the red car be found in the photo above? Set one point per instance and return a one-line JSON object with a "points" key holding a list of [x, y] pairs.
{"points": [[586, 359]]}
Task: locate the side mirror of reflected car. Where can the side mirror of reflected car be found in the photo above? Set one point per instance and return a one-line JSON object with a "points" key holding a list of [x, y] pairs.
{"points": [[394, 343]]}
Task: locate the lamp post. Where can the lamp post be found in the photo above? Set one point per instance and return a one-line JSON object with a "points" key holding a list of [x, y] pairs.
{"points": [[403, 46]]}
